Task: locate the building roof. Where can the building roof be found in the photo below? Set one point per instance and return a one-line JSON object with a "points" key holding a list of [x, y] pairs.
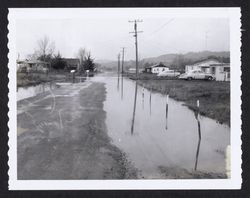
{"points": [[209, 62], [206, 60], [31, 62], [71, 61], [157, 65], [221, 64], [36, 62]]}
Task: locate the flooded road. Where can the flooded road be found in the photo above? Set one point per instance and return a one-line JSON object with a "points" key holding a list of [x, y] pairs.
{"points": [[161, 136]]}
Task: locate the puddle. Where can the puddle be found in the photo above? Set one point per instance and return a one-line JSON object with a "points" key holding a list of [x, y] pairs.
{"points": [[31, 91], [161, 136], [27, 92]]}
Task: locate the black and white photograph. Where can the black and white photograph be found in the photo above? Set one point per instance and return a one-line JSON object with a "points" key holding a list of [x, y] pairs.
{"points": [[124, 98]]}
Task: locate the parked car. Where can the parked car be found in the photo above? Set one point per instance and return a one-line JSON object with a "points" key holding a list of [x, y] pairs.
{"points": [[197, 74], [169, 73]]}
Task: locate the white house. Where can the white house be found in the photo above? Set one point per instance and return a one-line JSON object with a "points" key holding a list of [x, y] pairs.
{"points": [[156, 69], [32, 66], [220, 70], [132, 70]]}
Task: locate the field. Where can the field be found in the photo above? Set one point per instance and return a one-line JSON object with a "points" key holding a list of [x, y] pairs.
{"points": [[214, 96]]}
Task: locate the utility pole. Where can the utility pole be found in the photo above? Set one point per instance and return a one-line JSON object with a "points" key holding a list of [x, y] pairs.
{"points": [[136, 56], [118, 71], [122, 72], [123, 48], [136, 43]]}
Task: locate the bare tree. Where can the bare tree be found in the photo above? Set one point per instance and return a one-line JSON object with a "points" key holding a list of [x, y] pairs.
{"points": [[81, 55], [45, 48]]}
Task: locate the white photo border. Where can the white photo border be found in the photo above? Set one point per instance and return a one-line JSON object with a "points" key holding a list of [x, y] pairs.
{"points": [[232, 13]]}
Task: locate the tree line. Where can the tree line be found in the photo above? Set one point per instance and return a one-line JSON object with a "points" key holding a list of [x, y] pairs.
{"points": [[45, 51]]}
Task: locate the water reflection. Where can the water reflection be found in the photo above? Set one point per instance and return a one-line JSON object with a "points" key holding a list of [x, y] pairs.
{"points": [[134, 108], [166, 127], [26, 92], [118, 81], [153, 146], [150, 98], [196, 113], [143, 98], [122, 87]]}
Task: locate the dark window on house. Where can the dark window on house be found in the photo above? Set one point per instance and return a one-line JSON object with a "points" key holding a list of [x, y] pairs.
{"points": [[213, 70], [226, 69]]}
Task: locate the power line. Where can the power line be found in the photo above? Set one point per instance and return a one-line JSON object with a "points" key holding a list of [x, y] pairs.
{"points": [[162, 27]]}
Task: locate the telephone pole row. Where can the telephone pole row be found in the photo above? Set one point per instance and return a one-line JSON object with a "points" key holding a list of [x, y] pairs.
{"points": [[123, 49], [136, 42]]}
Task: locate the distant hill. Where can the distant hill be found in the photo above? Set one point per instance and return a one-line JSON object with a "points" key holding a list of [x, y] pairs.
{"points": [[169, 59], [174, 60]]}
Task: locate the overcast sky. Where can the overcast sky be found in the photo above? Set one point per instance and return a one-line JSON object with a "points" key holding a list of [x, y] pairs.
{"points": [[104, 36]]}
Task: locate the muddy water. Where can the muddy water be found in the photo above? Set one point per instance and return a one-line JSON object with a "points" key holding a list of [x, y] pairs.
{"points": [[157, 139]]}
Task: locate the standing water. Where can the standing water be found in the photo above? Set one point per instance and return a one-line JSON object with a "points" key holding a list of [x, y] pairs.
{"points": [[162, 136], [26, 92]]}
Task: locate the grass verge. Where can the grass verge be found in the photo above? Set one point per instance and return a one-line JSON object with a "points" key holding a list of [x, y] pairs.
{"points": [[214, 96]]}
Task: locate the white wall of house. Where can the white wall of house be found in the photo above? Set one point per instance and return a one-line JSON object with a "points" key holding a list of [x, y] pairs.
{"points": [[221, 74], [212, 67], [189, 68], [132, 70], [203, 66], [157, 70]]}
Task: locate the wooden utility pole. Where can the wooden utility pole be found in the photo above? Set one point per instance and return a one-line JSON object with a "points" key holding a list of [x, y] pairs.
{"points": [[123, 48], [136, 56], [136, 43], [118, 71]]}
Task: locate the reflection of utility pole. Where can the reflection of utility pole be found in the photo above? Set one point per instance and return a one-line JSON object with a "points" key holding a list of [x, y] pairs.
{"points": [[167, 114], [197, 112], [119, 64], [134, 109], [136, 42]]}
